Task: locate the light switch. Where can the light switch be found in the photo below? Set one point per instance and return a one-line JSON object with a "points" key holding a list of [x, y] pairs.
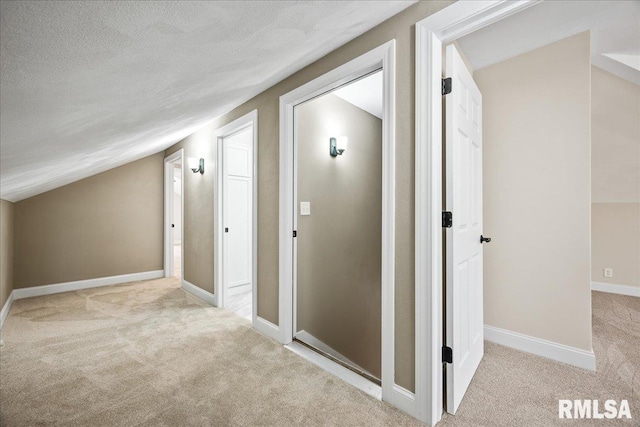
{"points": [[305, 208]]}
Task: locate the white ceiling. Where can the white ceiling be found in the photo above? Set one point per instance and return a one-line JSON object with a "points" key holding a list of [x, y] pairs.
{"points": [[614, 25], [365, 94], [88, 86]]}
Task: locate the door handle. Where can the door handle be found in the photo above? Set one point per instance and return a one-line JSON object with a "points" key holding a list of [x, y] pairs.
{"points": [[484, 239], [226, 229], [173, 225]]}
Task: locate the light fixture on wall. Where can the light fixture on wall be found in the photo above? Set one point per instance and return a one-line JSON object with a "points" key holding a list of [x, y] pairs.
{"points": [[196, 165], [337, 146]]}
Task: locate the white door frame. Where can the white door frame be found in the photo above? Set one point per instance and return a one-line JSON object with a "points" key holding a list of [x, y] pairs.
{"points": [[380, 57], [432, 33], [250, 119], [168, 213]]}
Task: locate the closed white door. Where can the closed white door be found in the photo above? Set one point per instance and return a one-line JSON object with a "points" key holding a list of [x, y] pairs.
{"points": [[464, 330], [237, 220]]}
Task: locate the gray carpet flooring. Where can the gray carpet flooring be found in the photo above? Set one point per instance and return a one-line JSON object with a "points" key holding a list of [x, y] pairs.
{"points": [[148, 354]]}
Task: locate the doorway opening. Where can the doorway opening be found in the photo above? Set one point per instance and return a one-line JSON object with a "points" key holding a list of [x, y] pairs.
{"points": [[313, 214], [338, 245], [173, 214], [236, 217]]}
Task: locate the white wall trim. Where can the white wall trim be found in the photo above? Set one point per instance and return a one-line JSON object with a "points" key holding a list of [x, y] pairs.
{"points": [[551, 350], [168, 212], [380, 57], [241, 123], [432, 33], [266, 328], [613, 288], [200, 293], [57, 288], [336, 369], [5, 309]]}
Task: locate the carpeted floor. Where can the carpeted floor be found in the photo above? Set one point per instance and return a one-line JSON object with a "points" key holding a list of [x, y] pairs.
{"points": [[512, 388], [149, 354]]}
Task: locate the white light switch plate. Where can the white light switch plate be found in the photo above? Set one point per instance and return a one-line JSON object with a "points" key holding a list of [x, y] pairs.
{"points": [[305, 208]]}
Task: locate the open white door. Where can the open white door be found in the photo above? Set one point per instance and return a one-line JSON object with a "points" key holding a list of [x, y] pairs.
{"points": [[464, 310]]}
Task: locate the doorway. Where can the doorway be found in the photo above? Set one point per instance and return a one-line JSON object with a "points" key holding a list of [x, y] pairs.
{"points": [[433, 353], [173, 214], [337, 256], [236, 218], [292, 215]]}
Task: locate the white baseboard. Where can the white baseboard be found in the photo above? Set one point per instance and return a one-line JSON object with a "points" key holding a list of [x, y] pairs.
{"points": [[57, 288], [267, 328], [200, 293], [336, 369], [5, 309], [613, 288], [549, 349]]}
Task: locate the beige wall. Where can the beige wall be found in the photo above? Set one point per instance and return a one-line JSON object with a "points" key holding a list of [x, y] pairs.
{"points": [[199, 192], [615, 222], [6, 251], [615, 127], [616, 242], [339, 256], [105, 225], [537, 193]]}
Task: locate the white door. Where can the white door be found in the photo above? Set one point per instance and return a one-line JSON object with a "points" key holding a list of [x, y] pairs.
{"points": [[237, 220], [464, 309]]}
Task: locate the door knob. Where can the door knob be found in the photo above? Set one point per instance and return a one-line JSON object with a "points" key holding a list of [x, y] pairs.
{"points": [[484, 239], [226, 229]]}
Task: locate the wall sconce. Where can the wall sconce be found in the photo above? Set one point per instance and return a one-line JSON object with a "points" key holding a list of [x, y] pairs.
{"points": [[337, 146], [196, 165]]}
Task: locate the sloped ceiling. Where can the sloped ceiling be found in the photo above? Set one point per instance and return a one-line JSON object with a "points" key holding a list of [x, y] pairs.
{"points": [[365, 94], [88, 86], [614, 26]]}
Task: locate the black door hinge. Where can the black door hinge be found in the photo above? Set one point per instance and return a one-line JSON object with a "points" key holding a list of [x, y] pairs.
{"points": [[447, 219], [295, 233], [446, 86], [447, 354]]}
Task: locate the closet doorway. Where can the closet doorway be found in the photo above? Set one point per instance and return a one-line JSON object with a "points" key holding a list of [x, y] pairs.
{"points": [[173, 214], [236, 216]]}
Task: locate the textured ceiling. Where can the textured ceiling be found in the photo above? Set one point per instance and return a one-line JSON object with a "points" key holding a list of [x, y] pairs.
{"points": [[88, 86], [614, 25]]}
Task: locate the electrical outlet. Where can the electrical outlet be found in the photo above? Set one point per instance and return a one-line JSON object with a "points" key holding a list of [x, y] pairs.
{"points": [[608, 272]]}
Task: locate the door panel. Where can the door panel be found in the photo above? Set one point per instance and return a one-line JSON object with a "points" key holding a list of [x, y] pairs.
{"points": [[464, 287], [237, 209], [238, 242]]}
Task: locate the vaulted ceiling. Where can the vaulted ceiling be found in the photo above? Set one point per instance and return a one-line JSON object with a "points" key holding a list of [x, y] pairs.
{"points": [[614, 26], [91, 85]]}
